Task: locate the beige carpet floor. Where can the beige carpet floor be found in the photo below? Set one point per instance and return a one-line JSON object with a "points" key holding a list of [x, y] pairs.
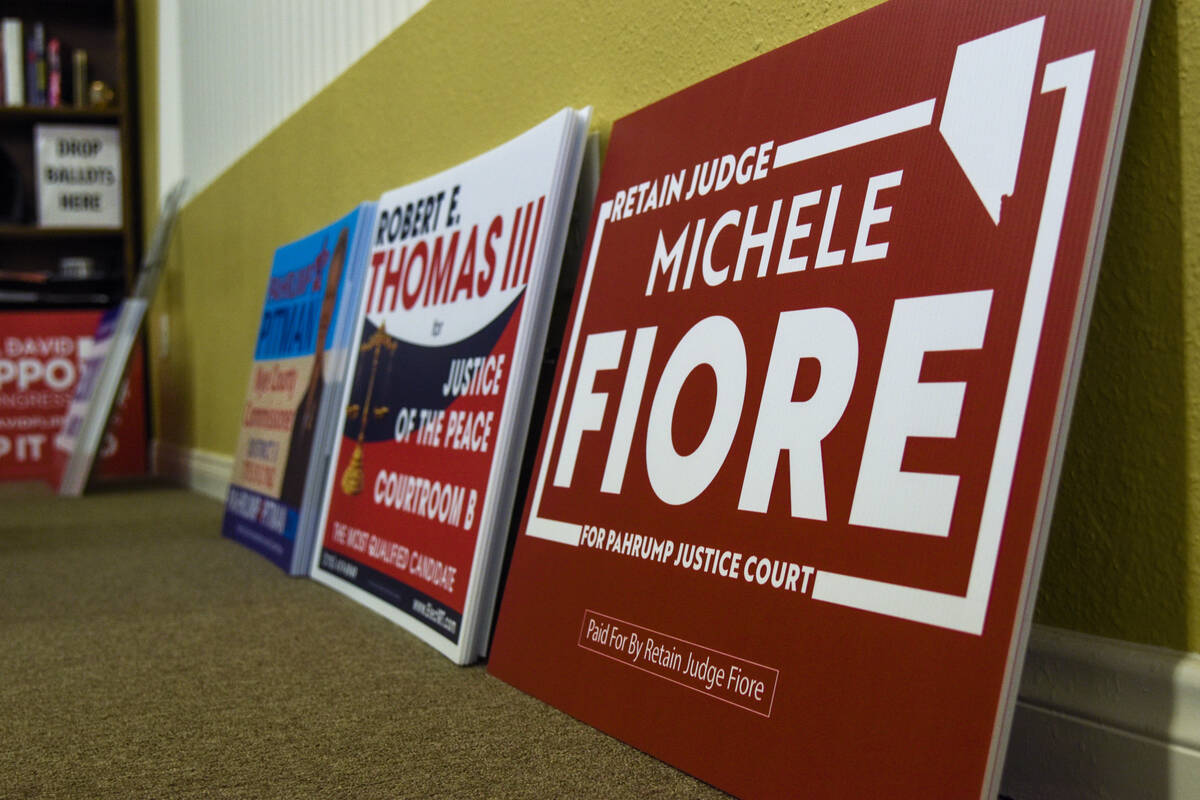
{"points": [[142, 655]]}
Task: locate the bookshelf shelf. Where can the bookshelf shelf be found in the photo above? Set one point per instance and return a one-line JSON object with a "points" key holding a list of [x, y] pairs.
{"points": [[33, 232], [59, 114]]}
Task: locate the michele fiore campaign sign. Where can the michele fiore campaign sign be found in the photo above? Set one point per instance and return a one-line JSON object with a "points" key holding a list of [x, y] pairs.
{"points": [[796, 476]]}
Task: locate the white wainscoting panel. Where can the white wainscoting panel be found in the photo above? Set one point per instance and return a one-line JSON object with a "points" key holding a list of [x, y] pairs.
{"points": [[231, 70]]}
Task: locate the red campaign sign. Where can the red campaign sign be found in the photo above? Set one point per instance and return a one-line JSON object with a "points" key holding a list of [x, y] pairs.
{"points": [[812, 396], [418, 521], [41, 354]]}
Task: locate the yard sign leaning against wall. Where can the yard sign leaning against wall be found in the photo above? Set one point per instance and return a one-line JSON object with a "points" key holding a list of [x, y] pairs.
{"points": [[792, 494], [448, 341]]}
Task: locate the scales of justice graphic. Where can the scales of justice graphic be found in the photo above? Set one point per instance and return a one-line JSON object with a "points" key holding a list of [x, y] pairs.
{"points": [[352, 476]]}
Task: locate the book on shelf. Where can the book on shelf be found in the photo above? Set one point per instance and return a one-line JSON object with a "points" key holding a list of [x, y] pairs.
{"points": [[795, 480], [12, 39], [54, 81], [288, 420], [35, 66], [449, 339], [79, 78]]}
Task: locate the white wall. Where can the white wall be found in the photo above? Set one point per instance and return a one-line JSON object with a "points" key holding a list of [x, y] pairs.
{"points": [[232, 70]]}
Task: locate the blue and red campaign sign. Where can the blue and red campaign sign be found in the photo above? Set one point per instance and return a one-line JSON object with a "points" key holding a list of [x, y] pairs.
{"points": [[462, 269]]}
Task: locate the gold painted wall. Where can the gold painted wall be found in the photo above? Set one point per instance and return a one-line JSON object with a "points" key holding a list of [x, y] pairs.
{"points": [[464, 75]]}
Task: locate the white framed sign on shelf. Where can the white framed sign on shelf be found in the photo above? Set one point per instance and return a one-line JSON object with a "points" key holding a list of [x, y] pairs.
{"points": [[78, 176]]}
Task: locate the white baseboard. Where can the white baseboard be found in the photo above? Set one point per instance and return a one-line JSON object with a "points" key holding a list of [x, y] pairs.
{"points": [[199, 470], [1096, 718], [1099, 718]]}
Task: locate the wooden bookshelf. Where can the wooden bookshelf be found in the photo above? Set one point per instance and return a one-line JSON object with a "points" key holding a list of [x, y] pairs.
{"points": [[104, 28]]}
